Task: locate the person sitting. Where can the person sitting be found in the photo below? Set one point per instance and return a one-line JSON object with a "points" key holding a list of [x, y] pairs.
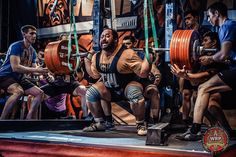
{"points": [[191, 20]]}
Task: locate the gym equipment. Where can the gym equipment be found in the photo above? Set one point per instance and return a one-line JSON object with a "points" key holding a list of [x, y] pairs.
{"points": [[73, 27], [55, 55], [149, 4], [97, 24], [185, 48]]}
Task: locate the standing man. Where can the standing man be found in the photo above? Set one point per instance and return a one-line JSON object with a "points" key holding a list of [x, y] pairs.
{"points": [[116, 66], [223, 81], [20, 60]]}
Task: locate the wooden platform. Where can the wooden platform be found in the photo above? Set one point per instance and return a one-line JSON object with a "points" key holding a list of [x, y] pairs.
{"points": [[119, 143]]}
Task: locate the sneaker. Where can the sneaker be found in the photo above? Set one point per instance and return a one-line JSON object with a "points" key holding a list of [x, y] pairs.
{"points": [[141, 130], [95, 127], [110, 126], [188, 136]]}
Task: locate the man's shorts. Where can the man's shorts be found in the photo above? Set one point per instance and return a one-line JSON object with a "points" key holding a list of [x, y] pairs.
{"points": [[188, 85], [229, 77], [53, 89], [7, 81]]}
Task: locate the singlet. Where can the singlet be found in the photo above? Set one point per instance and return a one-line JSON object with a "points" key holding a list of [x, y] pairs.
{"points": [[109, 73]]}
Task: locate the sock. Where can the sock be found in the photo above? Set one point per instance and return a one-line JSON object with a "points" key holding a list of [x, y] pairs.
{"points": [[140, 122], [99, 120], [195, 128], [109, 118]]}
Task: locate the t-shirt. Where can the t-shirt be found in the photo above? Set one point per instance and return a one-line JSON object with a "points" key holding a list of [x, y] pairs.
{"points": [[227, 32], [27, 58]]}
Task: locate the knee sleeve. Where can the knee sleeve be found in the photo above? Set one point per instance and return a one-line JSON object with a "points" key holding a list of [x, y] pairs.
{"points": [[134, 94], [93, 95]]}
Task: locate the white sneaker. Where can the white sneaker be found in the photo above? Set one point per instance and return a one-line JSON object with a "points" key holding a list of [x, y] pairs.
{"points": [[141, 130]]}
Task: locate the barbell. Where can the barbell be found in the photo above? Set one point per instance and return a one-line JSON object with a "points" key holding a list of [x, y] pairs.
{"points": [[184, 49]]}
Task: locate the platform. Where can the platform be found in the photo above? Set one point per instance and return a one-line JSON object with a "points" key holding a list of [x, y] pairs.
{"points": [[121, 142]]}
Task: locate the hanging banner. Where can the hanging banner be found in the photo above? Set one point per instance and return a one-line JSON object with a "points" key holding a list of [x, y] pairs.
{"points": [[54, 19]]}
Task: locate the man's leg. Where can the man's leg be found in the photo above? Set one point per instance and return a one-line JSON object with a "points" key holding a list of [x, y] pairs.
{"points": [[134, 93], [37, 93], [106, 106], [152, 93], [213, 85], [216, 111], [81, 91], [186, 104], [94, 95], [15, 91]]}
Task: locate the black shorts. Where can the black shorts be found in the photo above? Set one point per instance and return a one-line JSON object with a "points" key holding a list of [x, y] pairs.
{"points": [[117, 95], [228, 100], [188, 85], [53, 89], [229, 77], [5, 82]]}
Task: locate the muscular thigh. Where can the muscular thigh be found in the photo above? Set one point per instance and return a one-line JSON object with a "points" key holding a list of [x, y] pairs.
{"points": [[34, 91], [214, 84], [134, 83], [133, 86]]}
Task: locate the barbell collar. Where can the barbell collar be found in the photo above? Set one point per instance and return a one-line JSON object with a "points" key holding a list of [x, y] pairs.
{"points": [[154, 49], [62, 55], [161, 49]]}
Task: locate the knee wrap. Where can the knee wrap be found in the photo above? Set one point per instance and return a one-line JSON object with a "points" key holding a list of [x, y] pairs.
{"points": [[93, 95], [134, 94]]}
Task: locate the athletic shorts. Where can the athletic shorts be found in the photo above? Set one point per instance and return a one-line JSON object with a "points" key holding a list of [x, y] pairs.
{"points": [[5, 82], [227, 100], [188, 85], [229, 77], [53, 89]]}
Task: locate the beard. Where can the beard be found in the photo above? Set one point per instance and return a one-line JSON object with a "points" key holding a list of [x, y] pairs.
{"points": [[110, 47]]}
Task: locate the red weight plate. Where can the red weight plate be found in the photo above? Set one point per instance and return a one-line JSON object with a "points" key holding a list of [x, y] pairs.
{"points": [[54, 61]]}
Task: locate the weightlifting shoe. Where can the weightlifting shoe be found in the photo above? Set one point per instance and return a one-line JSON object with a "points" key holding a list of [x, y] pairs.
{"points": [[188, 136], [95, 127]]}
